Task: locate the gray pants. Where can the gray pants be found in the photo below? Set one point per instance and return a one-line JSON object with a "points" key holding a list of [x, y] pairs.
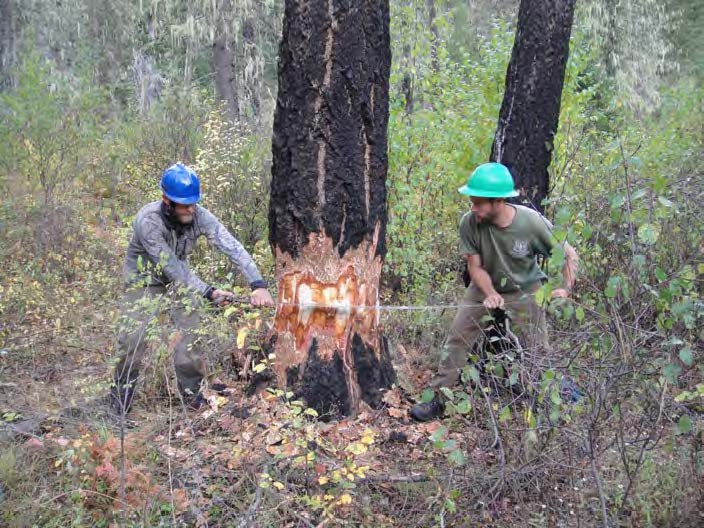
{"points": [[527, 322], [140, 306]]}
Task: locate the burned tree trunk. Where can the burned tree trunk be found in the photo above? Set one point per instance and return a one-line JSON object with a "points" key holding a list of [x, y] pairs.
{"points": [[531, 105], [327, 214]]}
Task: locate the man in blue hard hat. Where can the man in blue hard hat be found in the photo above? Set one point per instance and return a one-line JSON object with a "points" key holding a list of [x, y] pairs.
{"points": [[164, 234], [500, 242]]}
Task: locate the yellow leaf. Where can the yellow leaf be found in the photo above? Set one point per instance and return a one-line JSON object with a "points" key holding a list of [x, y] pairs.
{"points": [[278, 485], [241, 336], [259, 367], [345, 498], [356, 448], [368, 437], [322, 480]]}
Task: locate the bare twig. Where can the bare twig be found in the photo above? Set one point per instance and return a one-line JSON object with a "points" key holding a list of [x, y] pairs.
{"points": [[251, 512], [397, 478], [497, 442], [643, 448], [628, 198], [86, 491], [597, 479], [168, 459]]}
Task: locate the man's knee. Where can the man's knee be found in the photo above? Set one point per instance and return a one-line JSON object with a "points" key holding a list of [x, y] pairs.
{"points": [[464, 332], [190, 370], [187, 356]]}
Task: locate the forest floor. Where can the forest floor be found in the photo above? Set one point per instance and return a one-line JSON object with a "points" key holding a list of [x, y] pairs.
{"points": [[261, 459]]}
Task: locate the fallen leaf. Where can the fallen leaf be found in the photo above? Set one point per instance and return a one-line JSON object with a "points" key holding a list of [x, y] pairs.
{"points": [[394, 412], [392, 397], [180, 499], [35, 443], [241, 336], [345, 498]]}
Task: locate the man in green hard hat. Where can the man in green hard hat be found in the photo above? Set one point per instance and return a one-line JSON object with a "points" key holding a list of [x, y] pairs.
{"points": [[500, 242]]}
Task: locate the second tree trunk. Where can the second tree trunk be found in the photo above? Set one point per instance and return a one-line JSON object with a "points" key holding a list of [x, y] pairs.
{"points": [[531, 106]]}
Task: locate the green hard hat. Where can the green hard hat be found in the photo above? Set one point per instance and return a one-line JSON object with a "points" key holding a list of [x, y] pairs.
{"points": [[490, 180]]}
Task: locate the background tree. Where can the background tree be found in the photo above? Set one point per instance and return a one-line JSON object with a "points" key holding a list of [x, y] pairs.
{"points": [[635, 47], [327, 213], [241, 36], [7, 38]]}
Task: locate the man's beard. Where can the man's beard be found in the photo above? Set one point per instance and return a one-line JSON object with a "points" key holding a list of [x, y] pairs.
{"points": [[184, 219], [488, 219]]}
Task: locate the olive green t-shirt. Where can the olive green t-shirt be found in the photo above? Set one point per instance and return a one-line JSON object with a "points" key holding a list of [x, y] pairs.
{"points": [[509, 254]]}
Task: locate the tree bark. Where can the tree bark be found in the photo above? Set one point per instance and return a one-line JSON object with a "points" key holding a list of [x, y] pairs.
{"points": [[148, 82], [7, 40], [251, 52], [435, 35], [407, 89], [327, 214], [531, 106], [226, 76]]}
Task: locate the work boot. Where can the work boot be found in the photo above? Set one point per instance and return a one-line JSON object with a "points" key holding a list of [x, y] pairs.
{"points": [[192, 397], [121, 398], [193, 403], [569, 390], [425, 412]]}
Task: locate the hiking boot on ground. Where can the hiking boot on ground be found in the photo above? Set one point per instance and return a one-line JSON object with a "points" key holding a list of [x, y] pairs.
{"points": [[194, 403], [121, 398], [425, 412]]}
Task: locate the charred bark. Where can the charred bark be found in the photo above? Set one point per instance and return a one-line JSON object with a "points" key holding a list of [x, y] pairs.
{"points": [[531, 106], [327, 214]]}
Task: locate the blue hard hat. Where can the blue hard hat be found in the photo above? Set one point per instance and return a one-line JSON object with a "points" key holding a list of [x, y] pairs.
{"points": [[180, 184]]}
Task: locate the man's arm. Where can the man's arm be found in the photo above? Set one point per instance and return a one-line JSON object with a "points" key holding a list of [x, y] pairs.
{"points": [[569, 272], [482, 279], [218, 235], [546, 242]]}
